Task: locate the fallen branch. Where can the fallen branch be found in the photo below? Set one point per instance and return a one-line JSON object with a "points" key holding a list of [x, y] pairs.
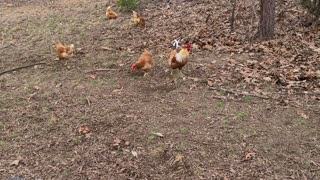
{"points": [[22, 67], [241, 93], [97, 70]]}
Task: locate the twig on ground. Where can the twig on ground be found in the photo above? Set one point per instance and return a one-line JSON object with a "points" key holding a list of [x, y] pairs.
{"points": [[88, 101], [22, 67], [208, 17], [107, 48]]}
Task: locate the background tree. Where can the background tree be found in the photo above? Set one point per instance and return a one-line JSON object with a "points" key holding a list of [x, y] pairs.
{"points": [[313, 7], [232, 18], [267, 19]]}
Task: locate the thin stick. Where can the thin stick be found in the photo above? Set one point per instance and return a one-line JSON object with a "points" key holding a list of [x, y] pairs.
{"points": [[96, 70], [208, 17], [22, 67], [244, 94]]}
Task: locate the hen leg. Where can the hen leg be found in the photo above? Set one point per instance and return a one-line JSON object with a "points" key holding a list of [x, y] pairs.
{"points": [[181, 73]]}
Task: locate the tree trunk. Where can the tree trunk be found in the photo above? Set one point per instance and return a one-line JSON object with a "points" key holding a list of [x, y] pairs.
{"points": [[267, 19], [232, 18]]}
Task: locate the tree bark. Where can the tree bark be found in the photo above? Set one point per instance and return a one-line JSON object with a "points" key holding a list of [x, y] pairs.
{"points": [[232, 18], [267, 19]]}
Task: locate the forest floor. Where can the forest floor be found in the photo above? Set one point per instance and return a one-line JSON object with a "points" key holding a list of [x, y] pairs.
{"points": [[244, 110]]}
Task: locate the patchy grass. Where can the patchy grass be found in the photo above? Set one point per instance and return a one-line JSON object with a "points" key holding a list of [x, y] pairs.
{"points": [[219, 104], [241, 115], [43, 107]]}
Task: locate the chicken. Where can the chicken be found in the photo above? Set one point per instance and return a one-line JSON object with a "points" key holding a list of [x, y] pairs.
{"points": [[111, 14], [137, 19], [179, 57], [64, 52], [144, 63]]}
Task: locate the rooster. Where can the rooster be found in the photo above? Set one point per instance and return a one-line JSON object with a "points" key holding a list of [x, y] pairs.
{"points": [[64, 52], [137, 19], [179, 57], [111, 14], [144, 63]]}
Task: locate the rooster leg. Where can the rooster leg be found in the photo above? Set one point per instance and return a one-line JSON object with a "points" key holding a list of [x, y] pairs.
{"points": [[175, 75], [181, 73]]}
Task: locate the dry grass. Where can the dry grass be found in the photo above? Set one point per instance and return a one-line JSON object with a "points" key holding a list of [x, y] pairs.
{"points": [[42, 108]]}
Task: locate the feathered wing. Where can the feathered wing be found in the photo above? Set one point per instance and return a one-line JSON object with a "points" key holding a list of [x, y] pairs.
{"points": [[171, 56], [145, 61], [178, 60]]}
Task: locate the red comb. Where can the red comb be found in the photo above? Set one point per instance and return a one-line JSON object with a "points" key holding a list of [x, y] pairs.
{"points": [[189, 47]]}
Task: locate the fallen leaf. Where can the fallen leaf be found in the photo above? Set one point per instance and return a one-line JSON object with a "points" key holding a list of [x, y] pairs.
{"points": [[232, 170], [210, 83], [58, 85], [267, 79], [193, 86], [116, 142], [158, 134], [250, 156], [88, 135], [132, 116], [195, 46], [194, 79], [208, 47], [15, 162], [178, 158], [84, 130], [303, 115], [129, 50], [106, 48], [134, 153], [127, 143], [117, 90], [92, 76]]}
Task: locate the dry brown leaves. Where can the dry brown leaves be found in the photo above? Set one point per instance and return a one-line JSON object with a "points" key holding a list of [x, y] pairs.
{"points": [[289, 64], [84, 130]]}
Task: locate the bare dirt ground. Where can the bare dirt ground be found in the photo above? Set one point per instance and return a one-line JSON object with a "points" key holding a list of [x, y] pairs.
{"points": [[60, 121]]}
